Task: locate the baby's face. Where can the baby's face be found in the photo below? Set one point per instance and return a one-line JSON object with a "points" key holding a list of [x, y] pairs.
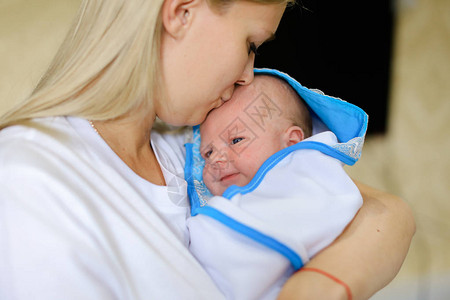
{"points": [[238, 137]]}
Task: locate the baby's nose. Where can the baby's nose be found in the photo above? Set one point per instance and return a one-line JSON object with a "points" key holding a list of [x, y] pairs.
{"points": [[215, 166], [219, 160]]}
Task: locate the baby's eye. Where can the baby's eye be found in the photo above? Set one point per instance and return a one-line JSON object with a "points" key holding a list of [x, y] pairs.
{"points": [[236, 140], [208, 153]]}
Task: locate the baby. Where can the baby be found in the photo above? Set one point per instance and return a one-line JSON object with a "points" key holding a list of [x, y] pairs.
{"points": [[257, 122], [280, 192]]}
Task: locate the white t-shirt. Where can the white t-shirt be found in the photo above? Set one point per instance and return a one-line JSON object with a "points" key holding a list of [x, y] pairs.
{"points": [[77, 223]]}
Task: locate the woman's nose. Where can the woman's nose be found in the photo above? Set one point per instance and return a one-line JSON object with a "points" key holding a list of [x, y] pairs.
{"points": [[247, 75], [227, 94]]}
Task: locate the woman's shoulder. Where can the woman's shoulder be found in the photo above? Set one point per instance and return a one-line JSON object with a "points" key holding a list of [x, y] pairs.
{"points": [[36, 142], [32, 132]]}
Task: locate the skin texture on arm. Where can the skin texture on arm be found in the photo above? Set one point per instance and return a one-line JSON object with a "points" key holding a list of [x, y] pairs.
{"points": [[367, 256]]}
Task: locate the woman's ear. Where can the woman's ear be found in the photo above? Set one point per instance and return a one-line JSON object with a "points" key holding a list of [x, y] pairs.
{"points": [[177, 15], [293, 135]]}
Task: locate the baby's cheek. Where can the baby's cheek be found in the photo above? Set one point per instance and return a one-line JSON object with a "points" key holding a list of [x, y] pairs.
{"points": [[205, 173], [248, 158], [252, 164], [207, 177]]}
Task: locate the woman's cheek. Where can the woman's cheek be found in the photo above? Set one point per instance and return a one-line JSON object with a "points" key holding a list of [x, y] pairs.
{"points": [[238, 62]]}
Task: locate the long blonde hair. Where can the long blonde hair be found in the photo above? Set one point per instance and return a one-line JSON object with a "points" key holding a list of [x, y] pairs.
{"points": [[108, 64]]}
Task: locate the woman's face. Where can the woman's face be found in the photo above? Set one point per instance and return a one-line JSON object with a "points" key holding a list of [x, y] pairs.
{"points": [[206, 53]]}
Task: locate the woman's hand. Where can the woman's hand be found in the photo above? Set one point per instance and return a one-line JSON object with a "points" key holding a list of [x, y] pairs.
{"points": [[367, 255]]}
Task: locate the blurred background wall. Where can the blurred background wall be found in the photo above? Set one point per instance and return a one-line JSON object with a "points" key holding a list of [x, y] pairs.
{"points": [[412, 159]]}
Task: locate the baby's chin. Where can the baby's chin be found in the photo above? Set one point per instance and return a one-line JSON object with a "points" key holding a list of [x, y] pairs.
{"points": [[215, 188], [218, 189]]}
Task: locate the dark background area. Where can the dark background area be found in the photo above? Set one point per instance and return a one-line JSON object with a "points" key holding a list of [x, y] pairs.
{"points": [[342, 48]]}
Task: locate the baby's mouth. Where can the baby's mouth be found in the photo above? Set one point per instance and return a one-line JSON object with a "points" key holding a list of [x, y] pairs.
{"points": [[229, 177]]}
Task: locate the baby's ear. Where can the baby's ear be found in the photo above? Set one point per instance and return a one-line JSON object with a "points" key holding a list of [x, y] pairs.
{"points": [[293, 135]]}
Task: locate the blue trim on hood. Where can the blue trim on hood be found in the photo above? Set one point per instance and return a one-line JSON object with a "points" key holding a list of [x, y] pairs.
{"points": [[253, 234], [277, 157], [350, 122]]}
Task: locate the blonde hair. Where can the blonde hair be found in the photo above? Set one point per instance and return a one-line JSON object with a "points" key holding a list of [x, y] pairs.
{"points": [[108, 64]]}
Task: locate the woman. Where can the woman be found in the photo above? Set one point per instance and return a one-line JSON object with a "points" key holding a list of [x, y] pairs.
{"points": [[86, 213]]}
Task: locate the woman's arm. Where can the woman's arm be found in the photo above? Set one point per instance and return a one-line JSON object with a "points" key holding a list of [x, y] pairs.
{"points": [[367, 255]]}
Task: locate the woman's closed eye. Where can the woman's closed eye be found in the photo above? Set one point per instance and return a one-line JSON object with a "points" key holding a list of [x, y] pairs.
{"points": [[253, 48]]}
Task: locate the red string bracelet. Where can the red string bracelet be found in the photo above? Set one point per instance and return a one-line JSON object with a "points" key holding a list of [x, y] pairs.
{"points": [[335, 279]]}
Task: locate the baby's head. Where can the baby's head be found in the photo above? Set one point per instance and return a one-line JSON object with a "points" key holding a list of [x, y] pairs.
{"points": [[259, 120]]}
